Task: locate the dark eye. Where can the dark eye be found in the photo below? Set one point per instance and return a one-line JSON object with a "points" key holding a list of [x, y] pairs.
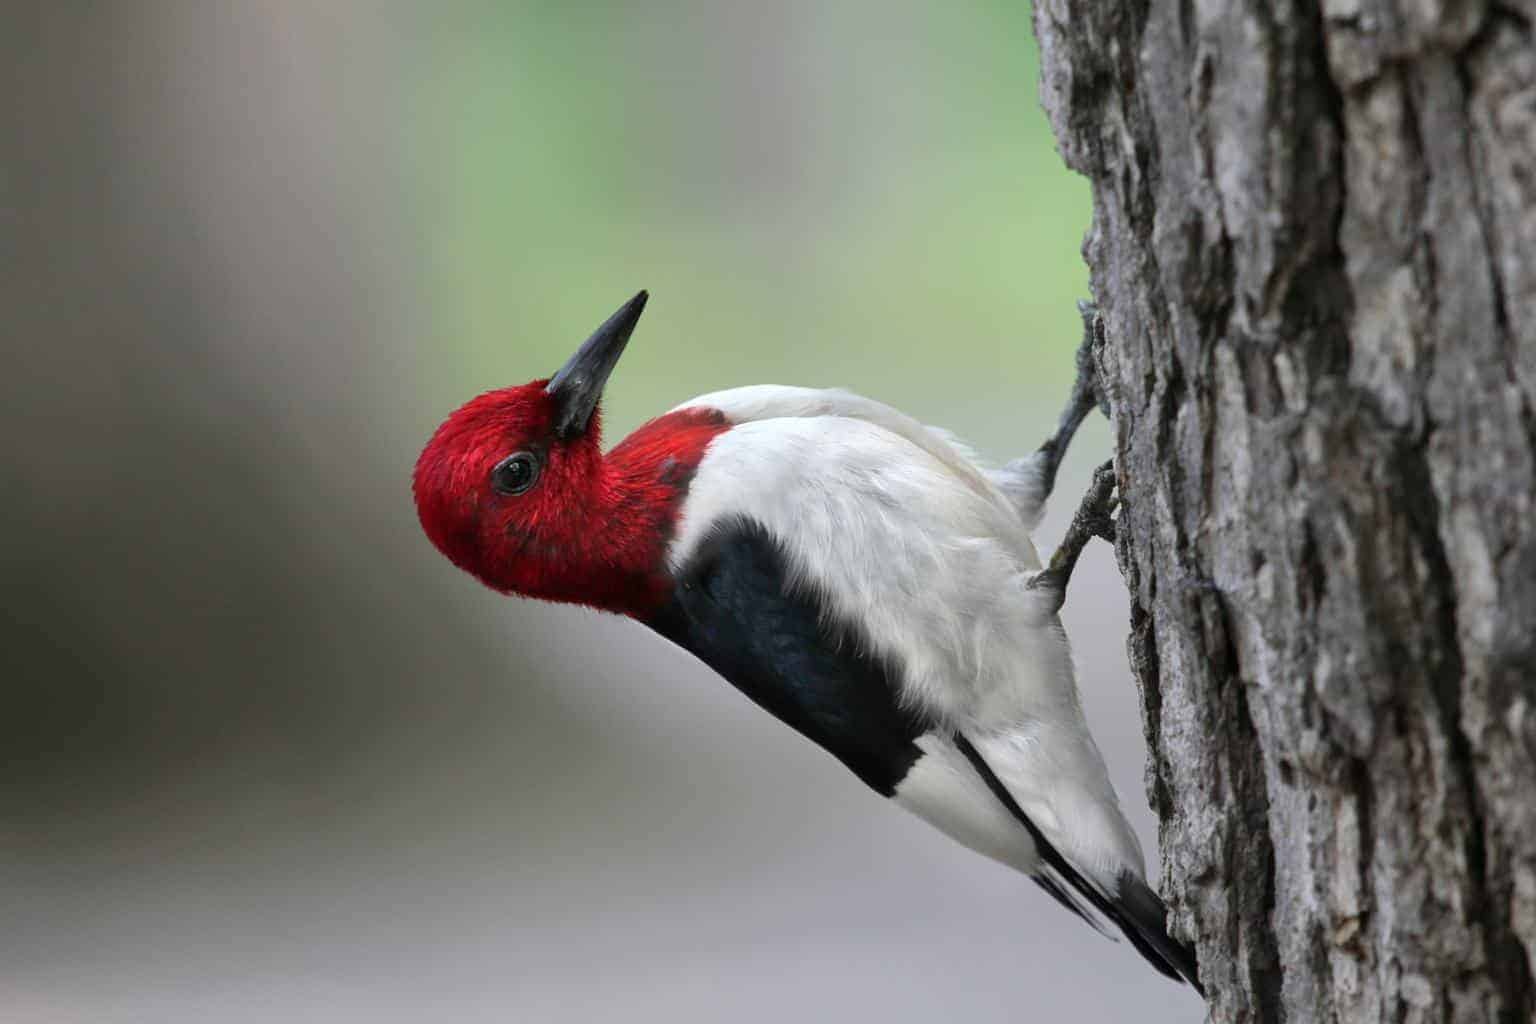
{"points": [[515, 473]]}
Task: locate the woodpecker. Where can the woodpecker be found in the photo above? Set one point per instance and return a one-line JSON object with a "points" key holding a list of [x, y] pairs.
{"points": [[859, 575]]}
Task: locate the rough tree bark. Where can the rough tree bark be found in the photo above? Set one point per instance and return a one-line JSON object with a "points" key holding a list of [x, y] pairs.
{"points": [[1314, 246]]}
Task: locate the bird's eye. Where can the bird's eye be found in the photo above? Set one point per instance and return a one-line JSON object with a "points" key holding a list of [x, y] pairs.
{"points": [[515, 473]]}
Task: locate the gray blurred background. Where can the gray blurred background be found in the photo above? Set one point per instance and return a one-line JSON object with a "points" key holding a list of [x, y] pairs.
{"points": [[269, 757]]}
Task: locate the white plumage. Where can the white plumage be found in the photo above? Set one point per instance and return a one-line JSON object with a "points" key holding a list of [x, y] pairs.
{"points": [[929, 553]]}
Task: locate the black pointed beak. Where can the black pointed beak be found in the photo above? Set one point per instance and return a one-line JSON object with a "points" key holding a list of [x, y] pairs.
{"points": [[579, 384]]}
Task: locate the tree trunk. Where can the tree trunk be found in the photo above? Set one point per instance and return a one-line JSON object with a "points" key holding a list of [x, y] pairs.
{"points": [[1314, 246]]}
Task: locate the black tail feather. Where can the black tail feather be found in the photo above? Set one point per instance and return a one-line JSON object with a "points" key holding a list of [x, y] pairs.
{"points": [[1134, 907], [1145, 923], [1052, 886]]}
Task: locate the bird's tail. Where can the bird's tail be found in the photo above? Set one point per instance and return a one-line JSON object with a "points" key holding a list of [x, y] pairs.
{"points": [[1143, 918], [1132, 906]]}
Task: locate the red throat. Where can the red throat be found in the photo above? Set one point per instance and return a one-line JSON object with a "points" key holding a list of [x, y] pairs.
{"points": [[594, 530]]}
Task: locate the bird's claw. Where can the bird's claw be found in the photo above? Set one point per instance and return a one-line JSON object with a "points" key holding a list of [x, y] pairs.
{"points": [[1094, 518], [1086, 396]]}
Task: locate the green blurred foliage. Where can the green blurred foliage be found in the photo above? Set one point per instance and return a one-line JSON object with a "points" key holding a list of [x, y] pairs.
{"points": [[891, 218]]}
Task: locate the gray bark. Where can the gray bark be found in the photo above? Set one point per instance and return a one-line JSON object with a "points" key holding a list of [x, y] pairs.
{"points": [[1314, 245]]}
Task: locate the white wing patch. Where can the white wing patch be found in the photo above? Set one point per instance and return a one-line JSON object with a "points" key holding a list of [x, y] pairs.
{"points": [[931, 570], [776, 401], [903, 535], [1019, 481]]}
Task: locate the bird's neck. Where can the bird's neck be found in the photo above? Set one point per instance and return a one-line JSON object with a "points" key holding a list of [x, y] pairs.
{"points": [[615, 557]]}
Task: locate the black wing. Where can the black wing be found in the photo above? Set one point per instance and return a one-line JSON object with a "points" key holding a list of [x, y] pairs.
{"points": [[734, 608]]}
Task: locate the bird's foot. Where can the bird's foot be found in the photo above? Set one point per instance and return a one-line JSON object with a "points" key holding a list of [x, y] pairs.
{"points": [[1085, 396], [1094, 518]]}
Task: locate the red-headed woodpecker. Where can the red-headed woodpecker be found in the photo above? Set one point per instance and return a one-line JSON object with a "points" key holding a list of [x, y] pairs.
{"points": [[855, 573]]}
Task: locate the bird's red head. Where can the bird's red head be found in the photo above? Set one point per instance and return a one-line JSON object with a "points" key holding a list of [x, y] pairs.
{"points": [[514, 488]]}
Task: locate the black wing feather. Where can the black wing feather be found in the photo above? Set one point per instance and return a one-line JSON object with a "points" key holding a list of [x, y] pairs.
{"points": [[735, 609]]}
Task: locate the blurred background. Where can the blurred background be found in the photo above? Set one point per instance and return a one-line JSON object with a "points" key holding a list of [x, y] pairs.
{"points": [[267, 755]]}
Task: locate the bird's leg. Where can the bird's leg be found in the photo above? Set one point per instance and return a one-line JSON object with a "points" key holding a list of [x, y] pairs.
{"points": [[1085, 395], [1092, 519]]}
